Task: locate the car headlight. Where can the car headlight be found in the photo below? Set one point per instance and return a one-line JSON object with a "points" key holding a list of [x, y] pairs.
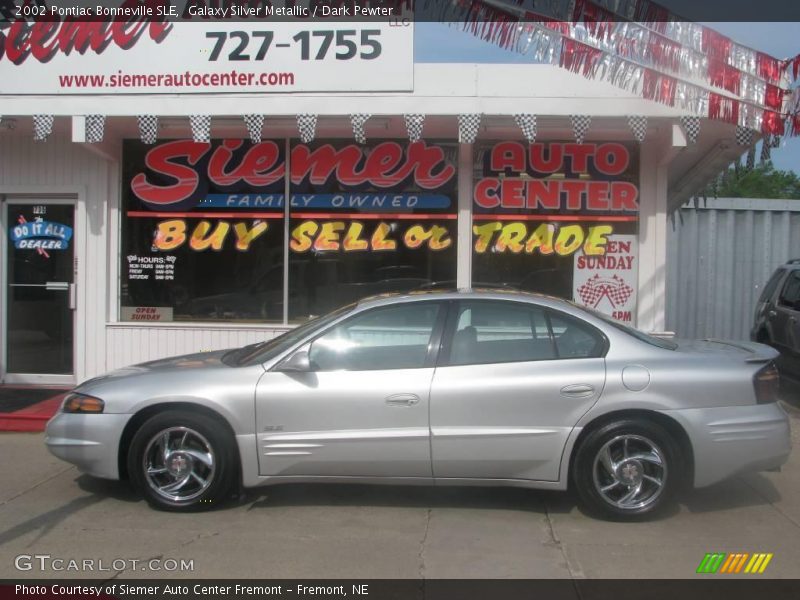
{"points": [[81, 403]]}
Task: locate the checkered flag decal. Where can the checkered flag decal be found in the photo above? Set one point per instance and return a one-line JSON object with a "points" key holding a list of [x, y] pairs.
{"points": [[766, 152], [42, 127], [148, 128], [414, 125], [615, 289], [744, 135], [527, 123], [254, 125], [751, 158], [468, 126], [638, 125], [580, 125], [358, 121], [201, 127], [691, 125], [95, 128], [307, 127]]}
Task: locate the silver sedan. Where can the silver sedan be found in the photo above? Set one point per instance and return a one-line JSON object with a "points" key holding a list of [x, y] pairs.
{"points": [[456, 388]]}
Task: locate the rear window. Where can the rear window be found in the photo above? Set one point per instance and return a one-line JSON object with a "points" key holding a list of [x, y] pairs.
{"points": [[639, 335]]}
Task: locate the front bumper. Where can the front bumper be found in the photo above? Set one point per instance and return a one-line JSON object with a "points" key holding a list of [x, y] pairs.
{"points": [[736, 439], [88, 441]]}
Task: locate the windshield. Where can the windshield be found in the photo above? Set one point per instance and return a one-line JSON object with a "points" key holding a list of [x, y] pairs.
{"points": [[639, 335], [264, 351]]}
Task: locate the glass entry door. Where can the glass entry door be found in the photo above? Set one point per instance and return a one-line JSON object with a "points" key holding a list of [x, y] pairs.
{"points": [[39, 293]]}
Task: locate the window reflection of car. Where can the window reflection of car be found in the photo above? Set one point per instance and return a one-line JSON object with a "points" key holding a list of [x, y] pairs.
{"points": [[555, 282], [450, 284], [321, 283], [263, 299]]}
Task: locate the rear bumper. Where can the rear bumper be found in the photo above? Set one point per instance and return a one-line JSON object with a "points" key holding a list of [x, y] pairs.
{"points": [[90, 442], [736, 439]]}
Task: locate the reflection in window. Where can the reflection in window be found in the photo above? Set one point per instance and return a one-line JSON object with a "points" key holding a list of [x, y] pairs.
{"points": [[495, 332], [209, 248], [769, 289], [575, 339], [395, 337], [369, 219], [790, 295]]}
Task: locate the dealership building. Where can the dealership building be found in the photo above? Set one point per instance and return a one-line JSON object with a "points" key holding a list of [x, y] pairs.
{"points": [[145, 215]]}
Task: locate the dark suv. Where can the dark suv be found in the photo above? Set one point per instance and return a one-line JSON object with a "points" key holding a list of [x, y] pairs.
{"points": [[777, 318]]}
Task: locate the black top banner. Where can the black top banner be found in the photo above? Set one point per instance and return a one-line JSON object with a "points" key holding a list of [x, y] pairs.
{"points": [[395, 11]]}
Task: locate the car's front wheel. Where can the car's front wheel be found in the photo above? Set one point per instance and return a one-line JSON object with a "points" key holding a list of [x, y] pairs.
{"points": [[182, 461], [627, 469]]}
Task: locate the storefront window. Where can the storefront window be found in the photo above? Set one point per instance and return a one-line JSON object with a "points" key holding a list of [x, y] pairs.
{"points": [[558, 218], [368, 220], [202, 231], [203, 227]]}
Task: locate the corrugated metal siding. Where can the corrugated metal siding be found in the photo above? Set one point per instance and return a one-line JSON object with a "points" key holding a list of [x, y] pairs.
{"points": [[720, 255], [134, 344]]}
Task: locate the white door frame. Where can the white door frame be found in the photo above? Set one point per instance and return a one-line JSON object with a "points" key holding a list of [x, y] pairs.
{"points": [[29, 197]]}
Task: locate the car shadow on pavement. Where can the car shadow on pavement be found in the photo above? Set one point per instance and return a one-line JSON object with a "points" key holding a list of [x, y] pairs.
{"points": [[543, 502], [301, 494], [750, 490], [45, 522], [744, 491], [107, 488]]}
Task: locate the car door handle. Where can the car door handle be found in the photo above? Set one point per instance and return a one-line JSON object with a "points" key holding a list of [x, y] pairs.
{"points": [[578, 390], [772, 314], [402, 400]]}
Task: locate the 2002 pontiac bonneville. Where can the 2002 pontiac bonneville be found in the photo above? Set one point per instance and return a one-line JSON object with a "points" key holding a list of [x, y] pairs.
{"points": [[469, 387]]}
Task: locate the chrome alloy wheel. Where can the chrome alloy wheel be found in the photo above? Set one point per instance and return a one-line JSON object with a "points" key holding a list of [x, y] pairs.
{"points": [[179, 464], [629, 472]]}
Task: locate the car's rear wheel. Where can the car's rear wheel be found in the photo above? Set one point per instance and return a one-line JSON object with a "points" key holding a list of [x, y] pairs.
{"points": [[182, 461], [627, 469]]}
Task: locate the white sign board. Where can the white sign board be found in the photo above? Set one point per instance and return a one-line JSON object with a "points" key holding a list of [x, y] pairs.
{"points": [[205, 58], [608, 283]]}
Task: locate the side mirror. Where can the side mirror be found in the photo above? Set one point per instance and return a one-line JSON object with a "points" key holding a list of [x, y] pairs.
{"points": [[298, 362]]}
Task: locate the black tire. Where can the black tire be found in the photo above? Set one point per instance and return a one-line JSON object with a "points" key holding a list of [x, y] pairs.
{"points": [[201, 450], [590, 472]]}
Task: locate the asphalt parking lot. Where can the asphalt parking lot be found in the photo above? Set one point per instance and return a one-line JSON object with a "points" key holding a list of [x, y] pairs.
{"points": [[48, 508]]}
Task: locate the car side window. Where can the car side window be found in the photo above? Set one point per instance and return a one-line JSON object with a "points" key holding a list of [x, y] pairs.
{"points": [[790, 294], [769, 289], [494, 332], [394, 337], [574, 338]]}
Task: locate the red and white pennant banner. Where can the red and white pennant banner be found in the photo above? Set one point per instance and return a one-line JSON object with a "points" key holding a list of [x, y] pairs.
{"points": [[667, 61]]}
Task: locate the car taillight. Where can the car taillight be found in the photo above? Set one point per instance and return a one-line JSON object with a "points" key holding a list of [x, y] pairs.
{"points": [[767, 383]]}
